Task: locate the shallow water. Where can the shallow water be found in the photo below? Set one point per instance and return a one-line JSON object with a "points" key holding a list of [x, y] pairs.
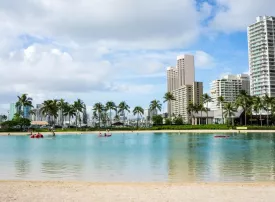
{"points": [[162, 157]]}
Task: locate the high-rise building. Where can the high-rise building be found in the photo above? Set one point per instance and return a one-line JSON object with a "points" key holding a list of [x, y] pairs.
{"points": [[261, 45], [172, 78], [186, 70], [181, 83], [185, 95], [229, 87], [12, 111], [182, 74]]}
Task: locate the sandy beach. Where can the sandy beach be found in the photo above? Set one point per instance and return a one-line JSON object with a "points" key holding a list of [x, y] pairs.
{"points": [[145, 131], [80, 191]]}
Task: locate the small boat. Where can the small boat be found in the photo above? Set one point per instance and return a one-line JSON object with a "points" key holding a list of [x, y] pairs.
{"points": [[221, 136]]}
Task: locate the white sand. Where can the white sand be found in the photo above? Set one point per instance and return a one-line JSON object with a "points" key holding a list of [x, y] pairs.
{"points": [[103, 192], [145, 131]]}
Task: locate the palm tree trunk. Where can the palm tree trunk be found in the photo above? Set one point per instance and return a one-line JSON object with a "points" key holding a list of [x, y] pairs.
{"points": [[69, 121], [222, 116], [200, 119], [267, 121], [261, 119], [207, 114], [232, 120], [137, 121], [76, 120], [245, 117], [110, 117]]}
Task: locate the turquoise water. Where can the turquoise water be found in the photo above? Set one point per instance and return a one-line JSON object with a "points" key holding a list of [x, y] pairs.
{"points": [[140, 157]]}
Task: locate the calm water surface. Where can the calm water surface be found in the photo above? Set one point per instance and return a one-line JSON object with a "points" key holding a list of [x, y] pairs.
{"points": [[139, 158]]}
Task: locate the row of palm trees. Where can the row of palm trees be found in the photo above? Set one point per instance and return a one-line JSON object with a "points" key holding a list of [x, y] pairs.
{"points": [[249, 104], [52, 109]]}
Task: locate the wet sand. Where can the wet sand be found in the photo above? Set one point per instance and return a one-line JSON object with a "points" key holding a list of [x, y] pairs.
{"points": [[125, 192]]}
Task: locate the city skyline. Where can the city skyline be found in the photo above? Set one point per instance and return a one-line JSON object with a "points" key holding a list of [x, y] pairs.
{"points": [[113, 58]]}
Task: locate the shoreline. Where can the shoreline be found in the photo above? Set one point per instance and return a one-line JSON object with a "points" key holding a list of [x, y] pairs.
{"points": [[141, 131], [123, 192]]}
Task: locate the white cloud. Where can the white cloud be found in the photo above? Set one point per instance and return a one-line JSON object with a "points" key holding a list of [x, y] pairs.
{"points": [[203, 60], [235, 15], [74, 48]]}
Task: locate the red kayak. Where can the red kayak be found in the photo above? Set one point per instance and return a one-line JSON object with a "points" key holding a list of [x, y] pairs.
{"points": [[221, 136], [37, 136]]}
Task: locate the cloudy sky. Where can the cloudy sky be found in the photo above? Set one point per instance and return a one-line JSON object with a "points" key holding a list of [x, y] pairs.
{"points": [[100, 50]]}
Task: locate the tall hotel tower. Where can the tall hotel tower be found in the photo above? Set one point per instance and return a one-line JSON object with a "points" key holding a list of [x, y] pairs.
{"points": [[261, 45], [181, 83]]}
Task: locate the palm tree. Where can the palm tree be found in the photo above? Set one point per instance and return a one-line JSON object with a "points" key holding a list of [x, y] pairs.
{"points": [[190, 111], [201, 108], [50, 109], [122, 107], [62, 105], [221, 101], [206, 99], [23, 101], [79, 106], [69, 111], [229, 111], [244, 101], [138, 111], [267, 101], [155, 105], [3, 118], [98, 108], [110, 106], [258, 106], [168, 97]]}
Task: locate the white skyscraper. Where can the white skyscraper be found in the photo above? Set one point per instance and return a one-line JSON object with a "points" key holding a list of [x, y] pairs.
{"points": [[261, 45], [229, 87]]}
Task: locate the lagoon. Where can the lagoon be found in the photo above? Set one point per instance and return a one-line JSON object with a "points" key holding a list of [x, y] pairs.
{"points": [[140, 157]]}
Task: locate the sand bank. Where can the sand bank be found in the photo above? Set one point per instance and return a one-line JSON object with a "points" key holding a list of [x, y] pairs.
{"points": [[146, 131], [68, 191]]}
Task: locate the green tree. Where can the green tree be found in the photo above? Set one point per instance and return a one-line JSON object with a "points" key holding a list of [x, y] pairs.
{"points": [[61, 106], [85, 116], [258, 106], [221, 102], [3, 118], [168, 97], [69, 111], [245, 102], [79, 106], [168, 121], [178, 120], [110, 105], [157, 120], [155, 105], [122, 107], [50, 109], [200, 108], [23, 101], [138, 111], [229, 111], [206, 99], [98, 108], [267, 101]]}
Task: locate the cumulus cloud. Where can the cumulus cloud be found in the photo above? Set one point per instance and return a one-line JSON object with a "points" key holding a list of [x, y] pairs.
{"points": [[234, 15], [72, 48]]}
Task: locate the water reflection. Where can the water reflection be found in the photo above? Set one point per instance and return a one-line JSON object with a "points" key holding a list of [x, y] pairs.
{"points": [[239, 158], [143, 157], [22, 167]]}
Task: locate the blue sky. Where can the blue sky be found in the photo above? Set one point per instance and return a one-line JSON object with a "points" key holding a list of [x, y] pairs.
{"points": [[118, 50]]}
